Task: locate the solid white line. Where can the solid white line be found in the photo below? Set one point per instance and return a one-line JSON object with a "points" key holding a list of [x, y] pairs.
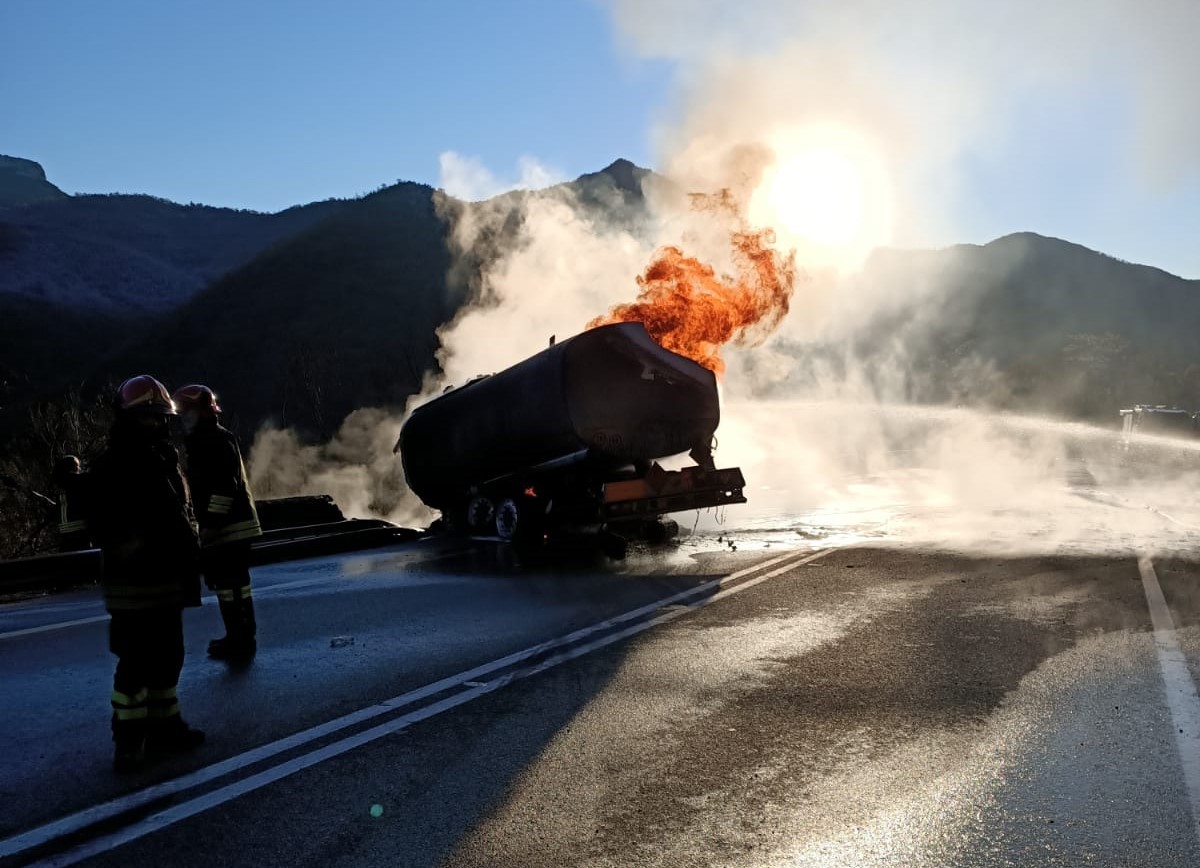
{"points": [[221, 795], [1172, 518], [57, 625], [1182, 698], [1135, 504], [208, 599], [115, 807]]}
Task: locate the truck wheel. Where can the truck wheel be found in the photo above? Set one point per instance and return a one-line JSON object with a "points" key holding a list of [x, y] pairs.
{"points": [[613, 545], [658, 532], [481, 514], [508, 519]]}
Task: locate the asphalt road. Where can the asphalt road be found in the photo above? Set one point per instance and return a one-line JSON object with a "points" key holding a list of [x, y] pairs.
{"points": [[434, 705]]}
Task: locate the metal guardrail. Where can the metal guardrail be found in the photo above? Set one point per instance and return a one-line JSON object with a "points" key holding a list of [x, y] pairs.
{"points": [[73, 569], [317, 540], [50, 572]]}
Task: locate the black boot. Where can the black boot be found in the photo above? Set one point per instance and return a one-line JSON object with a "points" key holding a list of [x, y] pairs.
{"points": [[129, 730], [129, 756], [231, 618], [172, 736], [234, 649], [249, 624], [238, 644]]}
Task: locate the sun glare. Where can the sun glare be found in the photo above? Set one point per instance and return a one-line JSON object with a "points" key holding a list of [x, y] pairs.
{"points": [[818, 195], [827, 195]]}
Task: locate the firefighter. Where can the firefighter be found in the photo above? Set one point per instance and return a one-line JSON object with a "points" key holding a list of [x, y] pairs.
{"points": [[228, 520], [72, 521], [140, 515]]}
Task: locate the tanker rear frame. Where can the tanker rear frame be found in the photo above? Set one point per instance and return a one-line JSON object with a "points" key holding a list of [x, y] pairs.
{"points": [[571, 495]]}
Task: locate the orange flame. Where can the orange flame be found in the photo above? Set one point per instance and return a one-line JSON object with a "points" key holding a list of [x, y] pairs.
{"points": [[691, 310]]}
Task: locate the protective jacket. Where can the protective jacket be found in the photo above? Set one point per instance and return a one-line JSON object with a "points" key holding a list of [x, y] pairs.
{"points": [[140, 515], [217, 476], [72, 512]]}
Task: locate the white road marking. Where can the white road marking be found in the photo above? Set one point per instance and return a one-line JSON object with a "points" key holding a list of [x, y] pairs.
{"points": [[208, 600], [1182, 698], [114, 808], [57, 625], [1121, 500], [1172, 518]]}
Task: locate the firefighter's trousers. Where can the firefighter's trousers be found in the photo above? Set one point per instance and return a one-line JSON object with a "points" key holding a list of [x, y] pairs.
{"points": [[149, 648], [227, 572]]}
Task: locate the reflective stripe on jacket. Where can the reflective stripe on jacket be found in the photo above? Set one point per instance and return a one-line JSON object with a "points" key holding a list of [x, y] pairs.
{"points": [[72, 504], [67, 522], [217, 476]]}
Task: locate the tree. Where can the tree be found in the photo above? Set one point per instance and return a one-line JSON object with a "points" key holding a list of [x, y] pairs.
{"points": [[68, 425]]}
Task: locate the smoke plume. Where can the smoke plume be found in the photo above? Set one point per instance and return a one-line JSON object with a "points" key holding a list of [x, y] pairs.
{"points": [[840, 129], [468, 179]]}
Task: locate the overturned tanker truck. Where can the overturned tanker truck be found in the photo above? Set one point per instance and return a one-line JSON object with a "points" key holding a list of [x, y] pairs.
{"points": [[568, 441]]}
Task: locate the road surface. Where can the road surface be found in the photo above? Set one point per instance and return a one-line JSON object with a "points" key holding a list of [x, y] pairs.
{"points": [[438, 704]]}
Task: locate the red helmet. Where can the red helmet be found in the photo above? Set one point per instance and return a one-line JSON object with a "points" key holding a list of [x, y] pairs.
{"points": [[197, 397], [144, 394]]}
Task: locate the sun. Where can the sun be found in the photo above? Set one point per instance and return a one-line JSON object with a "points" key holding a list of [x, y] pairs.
{"points": [[827, 194], [818, 195]]}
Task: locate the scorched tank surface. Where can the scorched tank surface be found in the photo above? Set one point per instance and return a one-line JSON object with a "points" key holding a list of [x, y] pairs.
{"points": [[611, 392]]}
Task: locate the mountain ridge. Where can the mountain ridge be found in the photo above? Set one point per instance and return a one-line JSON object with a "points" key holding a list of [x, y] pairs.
{"points": [[340, 308], [24, 182]]}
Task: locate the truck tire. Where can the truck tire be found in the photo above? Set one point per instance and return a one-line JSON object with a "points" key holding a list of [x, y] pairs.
{"points": [[658, 532], [508, 519], [613, 545], [481, 515]]}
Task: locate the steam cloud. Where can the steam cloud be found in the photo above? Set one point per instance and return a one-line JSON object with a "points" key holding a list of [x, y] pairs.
{"points": [[932, 79], [921, 85], [467, 178], [356, 468]]}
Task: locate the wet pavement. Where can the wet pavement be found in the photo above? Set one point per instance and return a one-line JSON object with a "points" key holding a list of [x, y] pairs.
{"points": [[783, 703]]}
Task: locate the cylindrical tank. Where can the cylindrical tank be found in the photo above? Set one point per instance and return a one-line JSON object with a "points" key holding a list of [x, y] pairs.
{"points": [[611, 391]]}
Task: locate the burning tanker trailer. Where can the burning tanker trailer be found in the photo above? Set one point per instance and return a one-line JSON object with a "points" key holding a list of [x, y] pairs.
{"points": [[569, 439]]}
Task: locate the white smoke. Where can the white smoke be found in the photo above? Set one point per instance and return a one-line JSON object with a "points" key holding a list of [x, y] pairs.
{"points": [[356, 468], [566, 265], [923, 88], [469, 179], [931, 78], [914, 89], [955, 479]]}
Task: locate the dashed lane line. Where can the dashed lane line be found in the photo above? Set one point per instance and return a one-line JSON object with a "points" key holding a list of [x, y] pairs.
{"points": [[564, 648], [1182, 699]]}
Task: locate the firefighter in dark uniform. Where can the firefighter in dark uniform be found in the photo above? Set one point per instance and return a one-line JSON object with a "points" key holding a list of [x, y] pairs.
{"points": [[140, 514], [72, 518], [227, 517]]}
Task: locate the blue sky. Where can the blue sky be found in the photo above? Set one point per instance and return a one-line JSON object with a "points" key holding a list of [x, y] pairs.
{"points": [[268, 104]]}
